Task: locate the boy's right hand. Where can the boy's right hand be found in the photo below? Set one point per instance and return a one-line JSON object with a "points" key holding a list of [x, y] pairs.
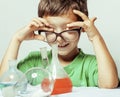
{"points": [[27, 32]]}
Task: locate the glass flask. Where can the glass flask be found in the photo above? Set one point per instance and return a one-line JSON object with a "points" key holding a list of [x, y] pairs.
{"points": [[9, 79], [62, 82], [39, 83]]}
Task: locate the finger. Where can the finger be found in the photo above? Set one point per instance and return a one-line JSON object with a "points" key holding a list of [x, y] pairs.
{"points": [[34, 24], [75, 24], [46, 29], [37, 21], [44, 22], [93, 19], [82, 15]]}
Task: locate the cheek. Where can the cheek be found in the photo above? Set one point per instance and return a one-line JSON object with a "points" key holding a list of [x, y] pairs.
{"points": [[76, 41]]}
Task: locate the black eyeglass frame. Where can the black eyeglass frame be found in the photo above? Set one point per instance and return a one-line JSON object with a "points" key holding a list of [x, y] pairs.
{"points": [[59, 34]]}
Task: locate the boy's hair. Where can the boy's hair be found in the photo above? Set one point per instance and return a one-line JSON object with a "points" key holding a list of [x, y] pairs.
{"points": [[61, 7]]}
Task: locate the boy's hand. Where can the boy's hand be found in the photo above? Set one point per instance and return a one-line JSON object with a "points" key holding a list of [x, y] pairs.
{"points": [[87, 24], [27, 33]]}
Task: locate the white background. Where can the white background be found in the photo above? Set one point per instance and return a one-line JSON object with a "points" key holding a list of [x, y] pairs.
{"points": [[15, 14]]}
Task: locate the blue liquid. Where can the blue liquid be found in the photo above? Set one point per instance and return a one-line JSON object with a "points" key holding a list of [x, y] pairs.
{"points": [[6, 84]]}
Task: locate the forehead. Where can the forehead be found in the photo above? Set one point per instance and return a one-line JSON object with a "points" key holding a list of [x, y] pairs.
{"points": [[61, 20]]}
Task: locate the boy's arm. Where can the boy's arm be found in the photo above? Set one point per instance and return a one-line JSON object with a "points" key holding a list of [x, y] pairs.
{"points": [[26, 33], [107, 72], [12, 50], [11, 53]]}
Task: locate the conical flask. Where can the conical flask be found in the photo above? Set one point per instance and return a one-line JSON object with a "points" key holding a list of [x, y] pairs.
{"points": [[62, 82], [9, 79]]}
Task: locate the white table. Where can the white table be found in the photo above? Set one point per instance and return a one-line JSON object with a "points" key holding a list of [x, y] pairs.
{"points": [[90, 92]]}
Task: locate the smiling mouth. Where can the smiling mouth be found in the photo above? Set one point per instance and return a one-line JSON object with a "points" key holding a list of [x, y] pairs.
{"points": [[63, 45]]}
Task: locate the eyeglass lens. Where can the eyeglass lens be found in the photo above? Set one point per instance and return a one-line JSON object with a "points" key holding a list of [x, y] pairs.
{"points": [[67, 35]]}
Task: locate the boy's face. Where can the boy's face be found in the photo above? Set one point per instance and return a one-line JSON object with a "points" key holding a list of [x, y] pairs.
{"points": [[67, 42]]}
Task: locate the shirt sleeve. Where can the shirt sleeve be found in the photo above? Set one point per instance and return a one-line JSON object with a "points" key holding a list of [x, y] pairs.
{"points": [[92, 72], [32, 60]]}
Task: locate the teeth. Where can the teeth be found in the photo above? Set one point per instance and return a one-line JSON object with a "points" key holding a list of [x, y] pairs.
{"points": [[64, 44]]}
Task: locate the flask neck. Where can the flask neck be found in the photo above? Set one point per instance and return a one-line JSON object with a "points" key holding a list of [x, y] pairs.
{"points": [[54, 55], [55, 52]]}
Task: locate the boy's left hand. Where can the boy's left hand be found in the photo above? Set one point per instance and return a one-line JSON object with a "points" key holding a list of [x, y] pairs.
{"points": [[87, 24]]}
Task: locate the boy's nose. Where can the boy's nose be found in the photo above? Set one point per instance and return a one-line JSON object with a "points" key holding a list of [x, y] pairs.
{"points": [[59, 39]]}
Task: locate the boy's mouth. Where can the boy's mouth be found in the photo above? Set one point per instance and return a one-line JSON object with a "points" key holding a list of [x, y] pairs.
{"points": [[63, 45]]}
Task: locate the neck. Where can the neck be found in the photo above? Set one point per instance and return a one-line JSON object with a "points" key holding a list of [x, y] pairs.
{"points": [[66, 59]]}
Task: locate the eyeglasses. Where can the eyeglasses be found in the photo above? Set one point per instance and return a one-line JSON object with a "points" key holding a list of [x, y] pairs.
{"points": [[66, 35]]}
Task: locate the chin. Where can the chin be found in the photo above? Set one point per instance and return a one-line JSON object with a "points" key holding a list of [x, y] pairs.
{"points": [[63, 53]]}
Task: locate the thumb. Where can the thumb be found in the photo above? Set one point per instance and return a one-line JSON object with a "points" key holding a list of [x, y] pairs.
{"points": [[40, 37]]}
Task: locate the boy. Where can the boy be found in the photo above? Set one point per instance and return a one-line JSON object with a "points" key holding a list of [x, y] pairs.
{"points": [[63, 21]]}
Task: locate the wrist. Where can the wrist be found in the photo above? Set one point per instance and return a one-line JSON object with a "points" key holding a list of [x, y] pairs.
{"points": [[15, 39], [96, 38], [20, 35]]}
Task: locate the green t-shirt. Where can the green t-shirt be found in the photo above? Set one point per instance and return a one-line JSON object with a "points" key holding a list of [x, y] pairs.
{"points": [[83, 70]]}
